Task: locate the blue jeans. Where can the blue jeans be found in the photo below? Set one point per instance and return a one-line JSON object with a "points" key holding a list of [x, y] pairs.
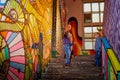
{"points": [[97, 58], [67, 52]]}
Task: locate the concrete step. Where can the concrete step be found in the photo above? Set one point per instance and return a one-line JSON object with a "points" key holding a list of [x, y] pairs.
{"points": [[74, 64], [86, 58], [72, 60], [73, 76], [74, 70]]}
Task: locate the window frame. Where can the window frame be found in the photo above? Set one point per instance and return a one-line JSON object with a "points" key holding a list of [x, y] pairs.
{"points": [[92, 24]]}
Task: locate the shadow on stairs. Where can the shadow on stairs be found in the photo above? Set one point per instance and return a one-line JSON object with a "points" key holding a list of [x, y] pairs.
{"points": [[82, 68]]}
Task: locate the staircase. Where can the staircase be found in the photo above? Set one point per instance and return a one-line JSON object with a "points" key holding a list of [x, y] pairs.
{"points": [[82, 68]]}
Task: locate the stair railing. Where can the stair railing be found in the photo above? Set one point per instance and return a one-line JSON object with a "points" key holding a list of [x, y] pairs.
{"points": [[110, 63]]}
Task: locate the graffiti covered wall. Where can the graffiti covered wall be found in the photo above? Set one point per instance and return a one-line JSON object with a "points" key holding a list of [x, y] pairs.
{"points": [[21, 22], [112, 24]]}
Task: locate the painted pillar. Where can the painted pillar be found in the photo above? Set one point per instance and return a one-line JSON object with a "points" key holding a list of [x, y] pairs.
{"points": [[54, 29], [59, 29]]}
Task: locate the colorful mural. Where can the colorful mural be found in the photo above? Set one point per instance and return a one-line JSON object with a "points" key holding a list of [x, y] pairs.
{"points": [[112, 25], [21, 23], [77, 45]]}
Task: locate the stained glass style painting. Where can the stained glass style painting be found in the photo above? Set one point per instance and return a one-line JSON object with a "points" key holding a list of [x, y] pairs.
{"points": [[21, 22]]}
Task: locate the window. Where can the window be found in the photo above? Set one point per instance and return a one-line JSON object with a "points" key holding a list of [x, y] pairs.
{"points": [[95, 7], [93, 19], [93, 12], [88, 18], [88, 45], [102, 6], [87, 7], [89, 39]]}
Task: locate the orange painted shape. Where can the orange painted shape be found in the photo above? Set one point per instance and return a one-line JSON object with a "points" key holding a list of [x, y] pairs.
{"points": [[8, 20], [3, 34]]}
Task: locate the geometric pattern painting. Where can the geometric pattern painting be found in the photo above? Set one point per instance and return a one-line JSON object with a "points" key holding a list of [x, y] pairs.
{"points": [[21, 23], [12, 52]]}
